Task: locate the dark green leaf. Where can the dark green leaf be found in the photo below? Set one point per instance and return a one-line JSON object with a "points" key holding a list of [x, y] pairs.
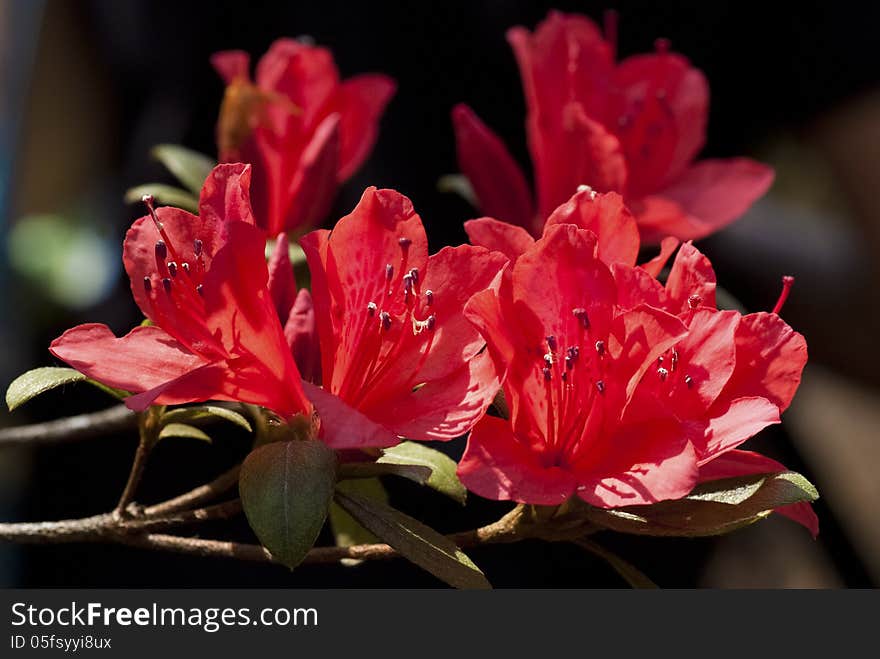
{"points": [[458, 184], [40, 380], [167, 195], [346, 530], [189, 167], [633, 576], [286, 489], [712, 508], [442, 475], [184, 431], [415, 541], [202, 413]]}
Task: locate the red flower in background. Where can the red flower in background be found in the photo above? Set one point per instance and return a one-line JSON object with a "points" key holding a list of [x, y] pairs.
{"points": [[398, 357], [633, 127], [202, 281], [304, 130]]}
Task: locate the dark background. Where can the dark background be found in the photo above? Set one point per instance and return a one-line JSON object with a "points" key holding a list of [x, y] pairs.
{"points": [[89, 86]]}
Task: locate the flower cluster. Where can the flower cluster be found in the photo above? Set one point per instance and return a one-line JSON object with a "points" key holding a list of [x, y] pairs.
{"points": [[615, 384]]}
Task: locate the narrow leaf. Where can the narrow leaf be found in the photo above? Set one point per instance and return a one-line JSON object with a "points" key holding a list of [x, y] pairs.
{"points": [[347, 531], [40, 380], [415, 541], [167, 195], [631, 574], [712, 508], [183, 430], [458, 184], [286, 489], [189, 167], [205, 413], [443, 477]]}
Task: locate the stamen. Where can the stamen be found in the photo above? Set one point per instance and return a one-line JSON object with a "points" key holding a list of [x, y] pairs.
{"points": [[389, 271], [695, 301], [431, 322], [149, 201], [564, 376], [674, 360], [548, 359], [404, 243], [371, 309], [429, 297], [185, 267], [551, 343], [166, 282], [172, 268], [663, 373], [197, 247], [600, 348], [200, 290], [148, 285], [569, 362], [600, 386], [787, 283], [547, 374], [407, 288], [385, 320], [414, 273], [689, 381], [161, 250], [581, 314]]}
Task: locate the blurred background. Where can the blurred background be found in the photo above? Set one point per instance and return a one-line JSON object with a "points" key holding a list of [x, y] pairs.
{"points": [[87, 87]]}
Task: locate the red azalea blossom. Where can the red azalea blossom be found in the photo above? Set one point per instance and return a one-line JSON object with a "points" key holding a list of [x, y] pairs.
{"points": [[398, 357], [304, 130], [202, 281], [653, 394], [633, 127]]}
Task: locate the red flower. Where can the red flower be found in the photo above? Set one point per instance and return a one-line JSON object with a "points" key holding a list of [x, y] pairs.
{"points": [[573, 363], [201, 280], [304, 131], [633, 127], [398, 357]]}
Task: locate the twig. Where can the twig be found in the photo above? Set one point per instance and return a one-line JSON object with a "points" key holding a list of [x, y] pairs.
{"points": [[196, 496], [145, 444], [70, 429]]}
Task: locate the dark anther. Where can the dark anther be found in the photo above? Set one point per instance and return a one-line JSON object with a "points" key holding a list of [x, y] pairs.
{"points": [[185, 267], [674, 360], [569, 362], [662, 372], [600, 386], [148, 285], [414, 273], [371, 309], [689, 381], [564, 376], [161, 250], [600, 348], [200, 290], [385, 319], [404, 242], [694, 301], [548, 359], [166, 282], [172, 268], [551, 343], [581, 315], [431, 322], [429, 297], [547, 374], [389, 272], [197, 247]]}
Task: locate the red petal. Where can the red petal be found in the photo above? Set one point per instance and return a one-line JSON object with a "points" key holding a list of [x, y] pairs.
{"points": [[770, 359], [718, 191], [659, 108], [232, 65], [496, 465], [342, 426], [240, 313], [655, 266], [225, 196], [306, 75], [313, 186], [282, 285], [742, 463], [509, 239], [442, 408], [635, 286], [145, 358], [302, 336], [641, 464], [735, 422], [691, 275], [497, 180], [607, 217], [659, 218], [360, 101]]}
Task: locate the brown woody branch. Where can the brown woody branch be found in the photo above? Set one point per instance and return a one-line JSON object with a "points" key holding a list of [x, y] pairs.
{"points": [[70, 429]]}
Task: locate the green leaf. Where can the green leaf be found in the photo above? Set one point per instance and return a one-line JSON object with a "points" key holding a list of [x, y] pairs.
{"points": [[713, 508], [167, 195], [458, 184], [443, 477], [203, 413], [633, 576], [346, 529], [40, 380], [415, 541], [184, 431], [286, 489], [189, 167]]}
